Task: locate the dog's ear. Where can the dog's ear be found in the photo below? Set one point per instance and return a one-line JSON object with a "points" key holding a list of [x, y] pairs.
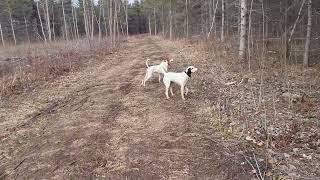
{"points": [[189, 72], [171, 60]]}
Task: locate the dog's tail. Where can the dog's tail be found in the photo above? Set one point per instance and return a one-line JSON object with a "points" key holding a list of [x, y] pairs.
{"points": [[147, 62]]}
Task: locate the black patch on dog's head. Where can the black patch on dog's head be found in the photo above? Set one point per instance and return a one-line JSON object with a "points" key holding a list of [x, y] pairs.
{"points": [[188, 72]]}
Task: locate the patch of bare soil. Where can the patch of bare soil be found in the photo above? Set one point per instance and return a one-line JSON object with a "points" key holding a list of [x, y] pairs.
{"points": [[100, 123]]}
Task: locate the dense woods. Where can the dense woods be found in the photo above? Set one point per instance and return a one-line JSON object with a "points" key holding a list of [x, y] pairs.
{"points": [[253, 27]]}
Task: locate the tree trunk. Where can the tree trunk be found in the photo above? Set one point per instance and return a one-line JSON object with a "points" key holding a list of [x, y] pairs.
{"points": [[110, 21], [85, 19], [118, 22], [150, 33], [92, 19], [99, 21], [126, 11], [53, 25], [213, 19], [222, 19], [296, 22], [74, 23], [307, 45], [43, 34], [155, 21], [64, 21], [163, 23], [250, 39], [243, 29], [115, 21], [1, 33], [26, 26], [12, 29], [187, 19], [170, 14], [48, 21], [77, 28], [104, 19]]}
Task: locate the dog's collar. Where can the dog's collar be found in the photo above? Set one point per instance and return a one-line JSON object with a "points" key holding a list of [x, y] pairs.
{"points": [[188, 73]]}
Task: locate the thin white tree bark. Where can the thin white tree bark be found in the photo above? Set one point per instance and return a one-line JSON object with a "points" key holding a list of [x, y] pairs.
{"points": [[53, 25], [92, 19], [118, 22], [76, 18], [170, 14], [187, 19], [12, 28], [26, 27], [2, 39], [74, 23], [309, 26], [155, 21], [149, 23], [163, 23], [99, 20], [222, 19], [126, 13], [296, 22], [250, 39], [115, 21], [64, 21], [104, 19], [243, 30], [43, 34], [213, 19], [48, 21], [110, 21], [85, 18]]}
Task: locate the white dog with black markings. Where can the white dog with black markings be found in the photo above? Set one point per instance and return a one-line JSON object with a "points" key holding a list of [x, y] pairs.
{"points": [[159, 69], [178, 78]]}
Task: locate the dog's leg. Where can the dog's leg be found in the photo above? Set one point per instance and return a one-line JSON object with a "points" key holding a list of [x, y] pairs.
{"points": [[147, 77], [182, 93], [171, 91], [159, 78], [167, 85], [187, 90], [144, 80], [167, 92]]}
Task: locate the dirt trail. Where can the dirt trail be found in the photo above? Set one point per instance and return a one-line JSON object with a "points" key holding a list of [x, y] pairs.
{"points": [[100, 123]]}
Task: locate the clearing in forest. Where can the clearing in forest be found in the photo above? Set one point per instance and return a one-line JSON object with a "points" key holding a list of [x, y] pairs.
{"points": [[99, 122]]}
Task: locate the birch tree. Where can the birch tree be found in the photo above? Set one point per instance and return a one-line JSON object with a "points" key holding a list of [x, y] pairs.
{"points": [[86, 18], [64, 21], [2, 39], [243, 29], [170, 15], [42, 29], [187, 19], [126, 14], [309, 26], [155, 21], [48, 21], [9, 9], [222, 19]]}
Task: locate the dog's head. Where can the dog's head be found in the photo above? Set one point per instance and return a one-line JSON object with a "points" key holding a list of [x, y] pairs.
{"points": [[167, 62], [190, 70]]}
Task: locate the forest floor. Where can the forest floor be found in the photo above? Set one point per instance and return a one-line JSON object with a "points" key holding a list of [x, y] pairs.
{"points": [[100, 123]]}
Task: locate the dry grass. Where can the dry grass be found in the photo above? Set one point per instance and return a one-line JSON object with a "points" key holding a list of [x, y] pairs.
{"points": [[24, 66], [273, 109]]}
